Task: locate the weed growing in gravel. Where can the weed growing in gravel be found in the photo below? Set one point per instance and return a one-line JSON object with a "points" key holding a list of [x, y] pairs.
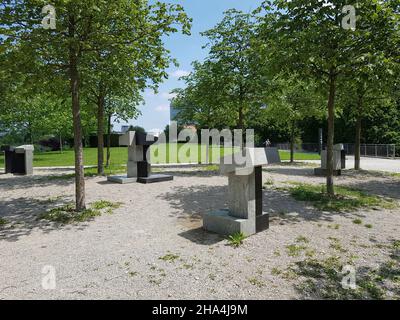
{"points": [[67, 214], [236, 239], [336, 245], [169, 257], [256, 282], [321, 279], [302, 239], [3, 222], [294, 250], [276, 271], [106, 205], [369, 226], [357, 221], [346, 198], [269, 182]]}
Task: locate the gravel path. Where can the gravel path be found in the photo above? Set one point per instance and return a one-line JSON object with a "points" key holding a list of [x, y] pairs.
{"points": [[374, 164], [153, 247]]}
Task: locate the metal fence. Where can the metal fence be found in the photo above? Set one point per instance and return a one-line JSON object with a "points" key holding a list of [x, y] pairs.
{"points": [[367, 150]]}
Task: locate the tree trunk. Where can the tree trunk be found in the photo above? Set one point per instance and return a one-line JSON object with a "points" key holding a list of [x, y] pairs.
{"points": [[292, 138], [76, 115], [108, 140], [241, 126], [331, 134], [100, 134], [357, 151]]}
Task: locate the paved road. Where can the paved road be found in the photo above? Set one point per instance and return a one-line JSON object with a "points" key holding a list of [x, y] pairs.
{"points": [[376, 164]]}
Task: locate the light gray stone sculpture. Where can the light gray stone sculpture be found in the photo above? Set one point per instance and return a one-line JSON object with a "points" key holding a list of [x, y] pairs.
{"points": [[135, 154], [24, 157], [245, 213], [138, 166], [337, 161]]}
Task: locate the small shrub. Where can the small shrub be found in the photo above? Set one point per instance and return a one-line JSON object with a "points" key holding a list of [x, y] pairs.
{"points": [[236, 239], [3, 222], [357, 221], [369, 226]]}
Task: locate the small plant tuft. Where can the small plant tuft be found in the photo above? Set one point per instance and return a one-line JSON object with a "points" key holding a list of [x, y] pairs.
{"points": [[106, 205], [236, 239], [169, 257], [67, 214], [3, 222]]}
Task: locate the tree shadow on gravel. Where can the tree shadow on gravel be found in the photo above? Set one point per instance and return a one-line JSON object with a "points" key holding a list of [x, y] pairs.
{"points": [[190, 204], [21, 218], [298, 172], [27, 182], [382, 188]]}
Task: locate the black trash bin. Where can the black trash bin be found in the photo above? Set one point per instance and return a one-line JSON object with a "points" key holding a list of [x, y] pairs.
{"points": [[9, 155]]}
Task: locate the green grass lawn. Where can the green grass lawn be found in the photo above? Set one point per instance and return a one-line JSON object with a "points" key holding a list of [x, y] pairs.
{"points": [[299, 156], [119, 156]]}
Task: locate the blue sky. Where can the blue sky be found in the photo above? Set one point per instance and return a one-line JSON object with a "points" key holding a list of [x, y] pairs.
{"points": [[205, 14]]}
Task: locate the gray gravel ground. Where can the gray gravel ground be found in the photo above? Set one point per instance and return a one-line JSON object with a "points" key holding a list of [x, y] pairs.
{"points": [[119, 255]]}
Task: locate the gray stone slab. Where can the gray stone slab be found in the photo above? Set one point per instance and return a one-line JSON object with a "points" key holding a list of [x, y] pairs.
{"points": [[121, 179], [222, 223], [244, 164], [273, 155], [155, 178], [262, 222]]}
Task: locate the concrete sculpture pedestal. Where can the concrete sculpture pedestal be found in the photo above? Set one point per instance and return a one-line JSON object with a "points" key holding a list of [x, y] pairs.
{"points": [[245, 193], [138, 166], [337, 162], [19, 160]]}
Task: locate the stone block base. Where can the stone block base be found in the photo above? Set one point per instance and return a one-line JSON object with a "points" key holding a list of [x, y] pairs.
{"points": [[323, 172], [262, 223], [121, 179], [155, 178], [222, 223]]}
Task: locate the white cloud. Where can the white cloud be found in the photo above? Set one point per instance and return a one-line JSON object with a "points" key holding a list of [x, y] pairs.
{"points": [[162, 108], [179, 73], [167, 95]]}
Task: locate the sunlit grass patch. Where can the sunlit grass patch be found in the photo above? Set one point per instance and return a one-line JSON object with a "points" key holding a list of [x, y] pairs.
{"points": [[106, 205], [67, 214], [345, 199]]}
